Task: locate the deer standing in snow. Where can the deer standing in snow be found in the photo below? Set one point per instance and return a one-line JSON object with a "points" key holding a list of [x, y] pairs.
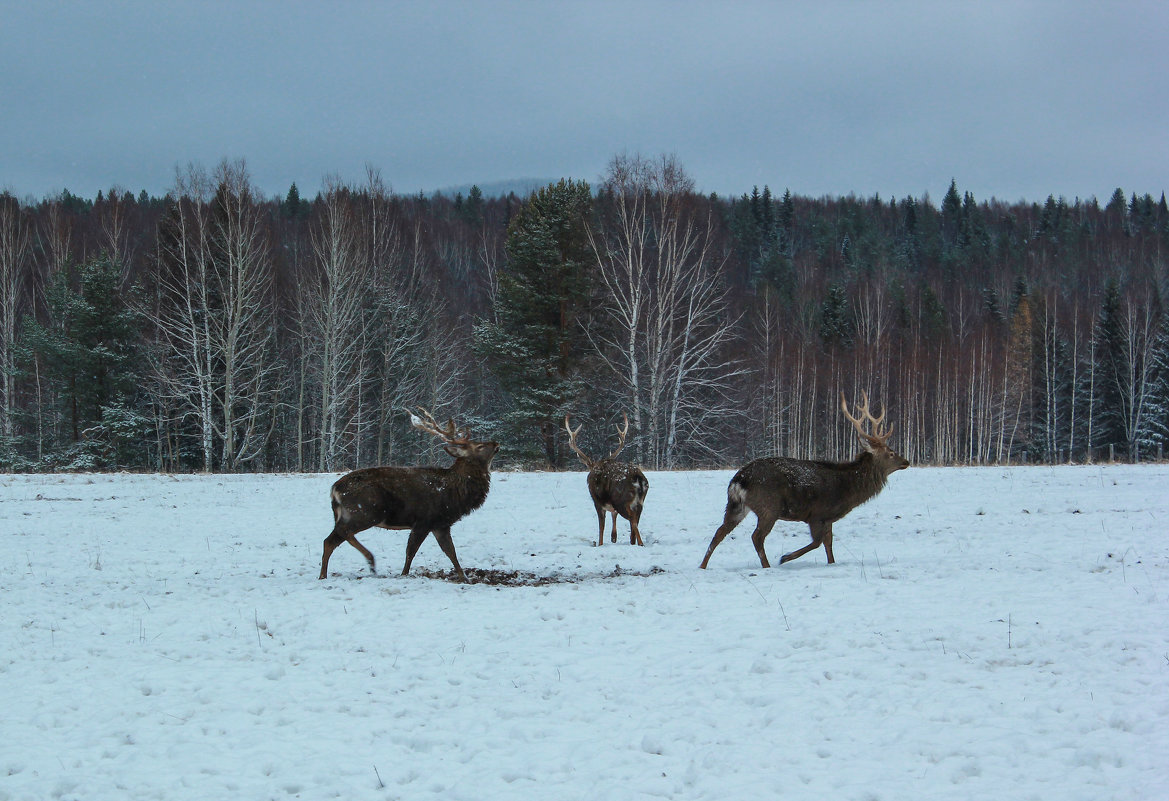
{"points": [[812, 492], [420, 500], [615, 486]]}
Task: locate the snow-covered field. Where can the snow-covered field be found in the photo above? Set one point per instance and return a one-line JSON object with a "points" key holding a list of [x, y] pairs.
{"points": [[986, 633]]}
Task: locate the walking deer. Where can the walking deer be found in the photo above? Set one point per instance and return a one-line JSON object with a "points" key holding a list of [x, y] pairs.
{"points": [[812, 492], [615, 486], [420, 500]]}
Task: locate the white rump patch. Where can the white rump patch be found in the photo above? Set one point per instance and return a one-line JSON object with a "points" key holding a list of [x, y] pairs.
{"points": [[737, 492]]}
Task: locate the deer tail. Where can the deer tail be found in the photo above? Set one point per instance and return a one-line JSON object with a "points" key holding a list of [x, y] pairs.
{"points": [[736, 501]]}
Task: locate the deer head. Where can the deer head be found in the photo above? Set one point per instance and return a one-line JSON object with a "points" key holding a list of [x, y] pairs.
{"points": [[875, 440], [458, 441]]}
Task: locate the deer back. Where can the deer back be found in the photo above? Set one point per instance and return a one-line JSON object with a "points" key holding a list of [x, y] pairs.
{"points": [[807, 490], [419, 497], [618, 485]]}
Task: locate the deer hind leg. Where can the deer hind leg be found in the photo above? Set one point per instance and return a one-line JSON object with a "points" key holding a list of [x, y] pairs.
{"points": [[634, 532], [766, 523], [352, 540], [736, 511], [335, 538], [635, 508], [818, 534], [417, 535], [600, 525], [443, 535], [613, 538]]}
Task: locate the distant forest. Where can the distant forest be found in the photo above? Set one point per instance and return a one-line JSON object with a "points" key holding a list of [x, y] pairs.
{"points": [[215, 329]]}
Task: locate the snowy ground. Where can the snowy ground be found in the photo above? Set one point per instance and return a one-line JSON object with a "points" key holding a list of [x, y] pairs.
{"points": [[985, 634]]}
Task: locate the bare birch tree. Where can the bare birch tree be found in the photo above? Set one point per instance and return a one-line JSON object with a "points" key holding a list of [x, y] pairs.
{"points": [[333, 326], [181, 310], [667, 308], [1140, 328], [214, 314], [242, 329]]}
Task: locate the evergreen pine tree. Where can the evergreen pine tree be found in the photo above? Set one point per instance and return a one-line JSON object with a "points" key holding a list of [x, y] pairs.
{"points": [[787, 219], [1116, 212], [474, 208], [1019, 403], [767, 221], [1113, 372], [88, 358], [835, 318], [292, 202], [536, 344], [951, 215]]}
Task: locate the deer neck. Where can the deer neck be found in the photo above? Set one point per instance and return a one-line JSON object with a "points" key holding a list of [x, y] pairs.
{"points": [[870, 478], [469, 477]]}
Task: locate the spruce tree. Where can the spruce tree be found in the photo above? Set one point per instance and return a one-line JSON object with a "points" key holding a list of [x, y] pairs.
{"points": [[835, 318], [292, 202], [535, 344], [88, 359], [787, 218], [1112, 383], [951, 215]]}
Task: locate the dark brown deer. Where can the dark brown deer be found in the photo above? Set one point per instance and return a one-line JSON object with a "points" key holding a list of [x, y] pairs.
{"points": [[812, 492], [420, 500], [615, 486]]}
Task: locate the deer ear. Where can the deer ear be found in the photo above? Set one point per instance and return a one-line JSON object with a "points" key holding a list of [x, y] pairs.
{"points": [[871, 444], [455, 450]]}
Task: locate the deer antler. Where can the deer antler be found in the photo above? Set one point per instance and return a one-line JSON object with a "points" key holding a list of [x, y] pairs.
{"points": [[572, 443], [866, 416], [428, 424], [621, 432]]}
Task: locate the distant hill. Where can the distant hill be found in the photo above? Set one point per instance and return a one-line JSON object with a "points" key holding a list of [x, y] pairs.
{"points": [[521, 186]]}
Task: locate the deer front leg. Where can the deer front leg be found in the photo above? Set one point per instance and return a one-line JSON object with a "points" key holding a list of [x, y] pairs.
{"points": [[443, 535], [828, 542], [417, 535], [614, 537]]}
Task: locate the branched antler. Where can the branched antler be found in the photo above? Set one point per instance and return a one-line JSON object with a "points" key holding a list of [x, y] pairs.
{"points": [[877, 433], [572, 443], [448, 433], [621, 432]]}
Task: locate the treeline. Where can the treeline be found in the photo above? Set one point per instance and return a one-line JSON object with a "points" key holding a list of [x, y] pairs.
{"points": [[217, 329]]}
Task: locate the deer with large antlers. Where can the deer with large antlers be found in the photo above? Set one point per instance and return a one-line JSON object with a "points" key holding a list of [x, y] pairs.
{"points": [[812, 492], [420, 500], [615, 486]]}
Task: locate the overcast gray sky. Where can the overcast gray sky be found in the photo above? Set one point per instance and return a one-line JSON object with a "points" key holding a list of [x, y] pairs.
{"points": [[1014, 99]]}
